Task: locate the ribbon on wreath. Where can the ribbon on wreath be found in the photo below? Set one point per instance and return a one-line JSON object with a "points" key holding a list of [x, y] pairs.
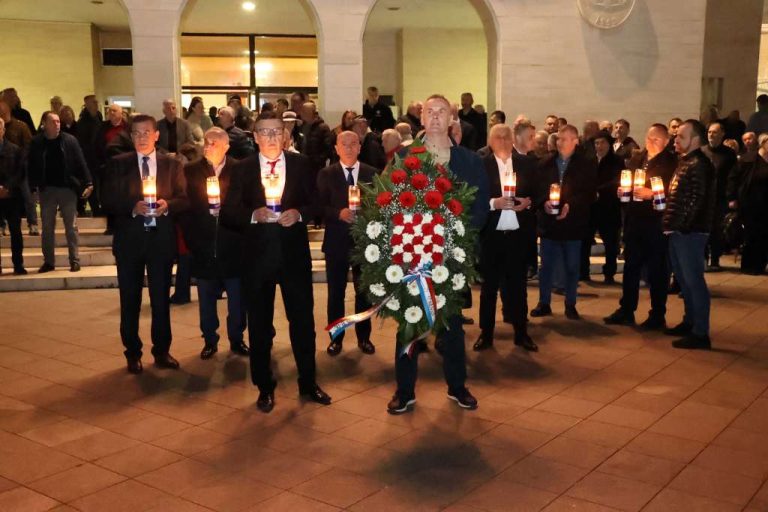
{"points": [[422, 276]]}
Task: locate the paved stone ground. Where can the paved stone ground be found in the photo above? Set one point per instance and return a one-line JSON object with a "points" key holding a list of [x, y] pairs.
{"points": [[601, 419]]}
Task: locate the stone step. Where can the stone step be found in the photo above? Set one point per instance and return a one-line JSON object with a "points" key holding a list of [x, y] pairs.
{"points": [[85, 223], [89, 257]]}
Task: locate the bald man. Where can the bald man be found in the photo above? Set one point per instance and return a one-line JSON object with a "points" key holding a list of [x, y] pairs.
{"points": [[333, 184]]}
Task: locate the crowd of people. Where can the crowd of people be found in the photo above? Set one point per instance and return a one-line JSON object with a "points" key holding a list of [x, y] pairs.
{"points": [[711, 201]]}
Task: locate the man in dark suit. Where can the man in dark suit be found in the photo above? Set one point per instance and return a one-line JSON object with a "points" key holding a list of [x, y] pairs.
{"points": [[276, 251], [504, 239], [11, 200], [143, 240], [562, 233], [371, 151], [333, 184], [215, 249]]}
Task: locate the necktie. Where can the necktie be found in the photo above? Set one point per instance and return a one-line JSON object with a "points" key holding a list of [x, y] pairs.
{"points": [[350, 177], [144, 167], [272, 167]]}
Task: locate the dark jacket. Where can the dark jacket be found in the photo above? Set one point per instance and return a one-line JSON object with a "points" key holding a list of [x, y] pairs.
{"points": [[183, 133], [120, 144], [241, 144], [216, 249], [379, 116], [414, 121], [578, 191], [121, 190], [624, 149], [11, 168], [317, 144], [724, 160], [77, 174], [87, 129], [527, 186], [372, 153], [691, 200], [752, 192], [469, 136], [662, 165], [24, 116], [480, 124], [333, 196], [608, 180]]}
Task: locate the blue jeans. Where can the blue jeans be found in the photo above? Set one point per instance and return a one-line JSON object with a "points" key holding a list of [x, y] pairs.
{"points": [[686, 253], [564, 253], [208, 291]]}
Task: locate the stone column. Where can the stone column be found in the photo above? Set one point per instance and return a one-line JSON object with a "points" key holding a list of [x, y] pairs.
{"points": [[156, 62]]}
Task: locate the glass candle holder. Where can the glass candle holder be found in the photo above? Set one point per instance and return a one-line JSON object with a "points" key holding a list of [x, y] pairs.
{"points": [[509, 187], [353, 198], [639, 180], [554, 198], [149, 189], [626, 186], [272, 192], [659, 198], [214, 195]]}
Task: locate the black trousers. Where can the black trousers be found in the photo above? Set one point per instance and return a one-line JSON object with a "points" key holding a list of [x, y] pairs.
{"points": [[130, 278], [504, 266], [608, 224], [754, 256], [645, 246], [336, 268], [715, 241], [296, 290], [454, 361], [10, 210]]}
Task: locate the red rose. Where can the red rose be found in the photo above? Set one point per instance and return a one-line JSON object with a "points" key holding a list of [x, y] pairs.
{"points": [[438, 219], [407, 199], [441, 169], [418, 149], [398, 219], [428, 248], [397, 239], [397, 259], [438, 240], [398, 176], [417, 218], [433, 199], [437, 258], [416, 260], [408, 248], [443, 184], [412, 162], [455, 207], [427, 229], [417, 240], [419, 181], [384, 198], [408, 229]]}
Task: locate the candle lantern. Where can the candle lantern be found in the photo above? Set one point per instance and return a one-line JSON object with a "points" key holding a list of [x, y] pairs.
{"points": [[353, 197], [272, 192], [149, 189], [659, 198], [626, 185], [554, 198], [214, 195], [509, 187], [639, 181]]}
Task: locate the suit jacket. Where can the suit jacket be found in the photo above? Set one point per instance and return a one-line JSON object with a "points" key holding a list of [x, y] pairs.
{"points": [[578, 190], [269, 247], [76, 170], [216, 249], [121, 190], [183, 133], [527, 186], [332, 198]]}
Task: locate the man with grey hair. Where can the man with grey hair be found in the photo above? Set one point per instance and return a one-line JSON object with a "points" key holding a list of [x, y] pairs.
{"points": [[406, 136], [391, 142], [412, 118], [174, 131], [240, 144]]}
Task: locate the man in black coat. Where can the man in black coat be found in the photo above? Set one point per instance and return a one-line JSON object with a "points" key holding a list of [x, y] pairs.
{"points": [[605, 214], [479, 122], [88, 127], [215, 249], [240, 142], [562, 232], [504, 240], [644, 240], [276, 251], [11, 200], [333, 184], [371, 151], [144, 239], [378, 114], [725, 161]]}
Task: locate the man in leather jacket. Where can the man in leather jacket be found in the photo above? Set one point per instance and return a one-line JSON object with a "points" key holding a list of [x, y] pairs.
{"points": [[688, 221]]}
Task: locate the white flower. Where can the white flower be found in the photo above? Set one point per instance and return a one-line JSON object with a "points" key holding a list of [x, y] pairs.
{"points": [[427, 239], [397, 249], [407, 257], [426, 218], [398, 230], [393, 304], [437, 248], [407, 238], [426, 258], [440, 274], [413, 288], [417, 229], [413, 314], [407, 218], [458, 281], [378, 289], [372, 253], [459, 254], [439, 230], [458, 226], [440, 301], [374, 229], [418, 249], [394, 274]]}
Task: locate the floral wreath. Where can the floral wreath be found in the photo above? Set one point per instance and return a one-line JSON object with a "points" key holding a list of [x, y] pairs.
{"points": [[414, 246]]}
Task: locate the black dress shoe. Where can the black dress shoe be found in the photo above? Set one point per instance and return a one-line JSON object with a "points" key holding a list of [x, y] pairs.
{"points": [[166, 361], [208, 351], [482, 343], [693, 342], [681, 329], [45, 267], [266, 401], [74, 267], [366, 347], [620, 317], [316, 394], [175, 299], [541, 310], [571, 313], [334, 348], [134, 365], [400, 405], [463, 398], [20, 271], [465, 320], [653, 323], [526, 342], [240, 348]]}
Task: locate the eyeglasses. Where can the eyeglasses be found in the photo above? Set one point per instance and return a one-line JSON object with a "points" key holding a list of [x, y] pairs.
{"points": [[270, 132]]}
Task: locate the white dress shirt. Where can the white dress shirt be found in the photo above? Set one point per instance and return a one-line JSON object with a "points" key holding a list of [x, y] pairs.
{"points": [[152, 163], [508, 218], [355, 171]]}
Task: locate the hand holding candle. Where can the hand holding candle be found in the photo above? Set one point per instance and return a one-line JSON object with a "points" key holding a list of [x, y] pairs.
{"points": [[554, 198], [272, 192], [149, 189], [214, 195], [639, 182], [509, 187], [353, 198], [626, 185], [659, 198]]}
